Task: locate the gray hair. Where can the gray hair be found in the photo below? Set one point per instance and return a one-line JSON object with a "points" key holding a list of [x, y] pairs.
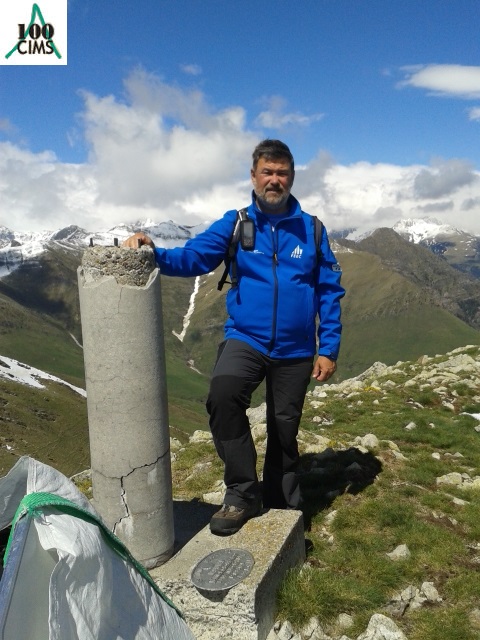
{"points": [[272, 150]]}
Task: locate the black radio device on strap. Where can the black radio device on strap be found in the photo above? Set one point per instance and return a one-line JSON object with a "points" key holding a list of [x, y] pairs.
{"points": [[244, 231]]}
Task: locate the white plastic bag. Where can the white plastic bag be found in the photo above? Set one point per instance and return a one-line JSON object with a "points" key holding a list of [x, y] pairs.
{"points": [[66, 576]]}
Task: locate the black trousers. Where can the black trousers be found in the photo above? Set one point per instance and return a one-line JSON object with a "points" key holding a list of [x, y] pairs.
{"points": [[238, 372]]}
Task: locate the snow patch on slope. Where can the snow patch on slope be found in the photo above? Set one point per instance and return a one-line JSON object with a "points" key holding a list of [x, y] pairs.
{"points": [[25, 374]]}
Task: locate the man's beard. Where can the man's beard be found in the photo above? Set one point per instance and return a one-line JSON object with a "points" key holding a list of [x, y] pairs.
{"points": [[276, 199]]}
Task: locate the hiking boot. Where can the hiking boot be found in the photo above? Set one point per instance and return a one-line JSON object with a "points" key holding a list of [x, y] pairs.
{"points": [[231, 519]]}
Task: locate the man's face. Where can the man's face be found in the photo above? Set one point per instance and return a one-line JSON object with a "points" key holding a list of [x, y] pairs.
{"points": [[272, 181]]}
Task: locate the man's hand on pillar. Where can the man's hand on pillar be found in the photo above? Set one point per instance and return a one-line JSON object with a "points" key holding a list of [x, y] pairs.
{"points": [[138, 240]]}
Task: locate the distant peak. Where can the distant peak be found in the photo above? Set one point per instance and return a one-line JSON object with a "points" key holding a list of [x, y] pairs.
{"points": [[418, 229]]}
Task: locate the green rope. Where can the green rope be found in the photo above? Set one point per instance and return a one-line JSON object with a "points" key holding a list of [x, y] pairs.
{"points": [[33, 504]]}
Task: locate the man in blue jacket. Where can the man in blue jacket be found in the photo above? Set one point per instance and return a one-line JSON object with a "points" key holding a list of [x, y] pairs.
{"points": [[283, 285]]}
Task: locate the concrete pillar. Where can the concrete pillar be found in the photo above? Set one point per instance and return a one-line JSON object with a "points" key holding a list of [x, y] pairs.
{"points": [[122, 327]]}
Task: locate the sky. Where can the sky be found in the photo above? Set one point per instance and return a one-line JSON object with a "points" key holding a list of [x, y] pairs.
{"points": [[157, 112]]}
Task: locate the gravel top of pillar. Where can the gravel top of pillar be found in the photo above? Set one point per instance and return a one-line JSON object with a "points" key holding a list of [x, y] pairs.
{"points": [[128, 266]]}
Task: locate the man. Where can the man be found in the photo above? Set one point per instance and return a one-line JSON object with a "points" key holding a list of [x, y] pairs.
{"points": [[282, 285]]}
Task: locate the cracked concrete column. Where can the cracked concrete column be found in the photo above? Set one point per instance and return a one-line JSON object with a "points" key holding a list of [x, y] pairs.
{"points": [[122, 327]]}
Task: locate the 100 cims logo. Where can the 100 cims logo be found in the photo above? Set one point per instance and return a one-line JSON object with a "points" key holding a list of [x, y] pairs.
{"points": [[34, 45], [35, 40]]}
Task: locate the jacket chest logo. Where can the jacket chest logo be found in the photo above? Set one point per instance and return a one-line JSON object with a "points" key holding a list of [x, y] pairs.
{"points": [[297, 252]]}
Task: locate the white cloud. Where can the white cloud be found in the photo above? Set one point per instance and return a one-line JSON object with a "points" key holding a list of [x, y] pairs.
{"points": [[275, 118], [164, 153], [191, 69], [366, 196], [164, 145], [474, 113], [6, 125], [444, 179], [435, 207], [471, 203], [37, 192], [444, 79]]}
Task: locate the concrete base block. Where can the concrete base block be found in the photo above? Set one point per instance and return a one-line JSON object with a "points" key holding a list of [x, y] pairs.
{"points": [[247, 610]]}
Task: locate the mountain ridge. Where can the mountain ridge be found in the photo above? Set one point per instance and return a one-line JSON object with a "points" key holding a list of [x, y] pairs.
{"points": [[449, 288], [401, 301], [16, 246]]}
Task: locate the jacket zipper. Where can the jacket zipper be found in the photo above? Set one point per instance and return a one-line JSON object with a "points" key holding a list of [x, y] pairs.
{"points": [[273, 231], [274, 236]]}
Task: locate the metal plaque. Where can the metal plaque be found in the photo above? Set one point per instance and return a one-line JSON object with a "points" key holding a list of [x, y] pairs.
{"points": [[222, 569]]}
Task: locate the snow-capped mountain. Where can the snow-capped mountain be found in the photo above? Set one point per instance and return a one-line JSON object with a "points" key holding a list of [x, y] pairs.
{"points": [[423, 229], [461, 249], [415, 230], [18, 247]]}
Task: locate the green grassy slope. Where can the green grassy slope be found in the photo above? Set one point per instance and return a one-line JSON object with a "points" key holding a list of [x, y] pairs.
{"points": [[447, 287], [388, 318], [206, 327], [40, 341], [49, 424], [48, 285]]}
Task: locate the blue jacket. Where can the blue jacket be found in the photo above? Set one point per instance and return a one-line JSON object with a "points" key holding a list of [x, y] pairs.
{"points": [[280, 290]]}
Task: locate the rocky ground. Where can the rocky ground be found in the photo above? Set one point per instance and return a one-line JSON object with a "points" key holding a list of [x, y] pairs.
{"points": [[429, 393]]}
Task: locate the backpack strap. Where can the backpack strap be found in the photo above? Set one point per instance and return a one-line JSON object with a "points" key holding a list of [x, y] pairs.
{"points": [[231, 252], [318, 230]]}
